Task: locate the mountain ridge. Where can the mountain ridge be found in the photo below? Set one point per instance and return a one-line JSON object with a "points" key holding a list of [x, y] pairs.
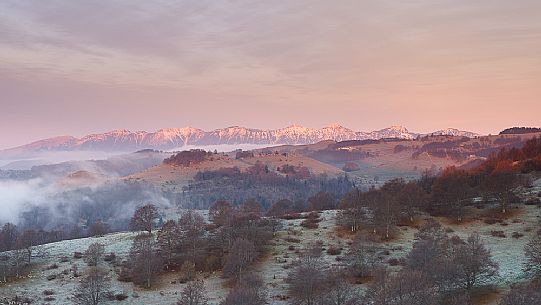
{"points": [[176, 138]]}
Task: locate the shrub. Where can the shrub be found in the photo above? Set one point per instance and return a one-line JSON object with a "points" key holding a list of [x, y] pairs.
{"points": [[491, 220], [517, 235], [111, 257], [497, 233], [533, 201], [334, 250], [290, 239], [310, 223], [121, 296]]}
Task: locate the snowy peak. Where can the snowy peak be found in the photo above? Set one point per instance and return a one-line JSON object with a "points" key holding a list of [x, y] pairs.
{"points": [[176, 138], [455, 132]]}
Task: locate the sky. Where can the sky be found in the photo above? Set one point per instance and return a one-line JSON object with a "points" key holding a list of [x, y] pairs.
{"points": [[77, 67]]}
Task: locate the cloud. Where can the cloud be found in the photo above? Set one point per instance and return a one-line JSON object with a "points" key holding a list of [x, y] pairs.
{"points": [[348, 61]]}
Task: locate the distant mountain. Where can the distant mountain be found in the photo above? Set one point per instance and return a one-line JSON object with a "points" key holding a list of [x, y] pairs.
{"points": [[454, 132], [176, 138]]}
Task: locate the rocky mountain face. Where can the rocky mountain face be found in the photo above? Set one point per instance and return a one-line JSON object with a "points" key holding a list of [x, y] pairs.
{"points": [[176, 138]]}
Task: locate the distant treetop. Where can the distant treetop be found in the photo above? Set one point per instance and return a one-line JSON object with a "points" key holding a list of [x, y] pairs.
{"points": [[520, 130]]}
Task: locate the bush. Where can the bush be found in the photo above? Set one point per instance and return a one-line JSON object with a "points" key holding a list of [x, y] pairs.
{"points": [[491, 220], [496, 233], [533, 201], [395, 262], [334, 250], [121, 296], [310, 223], [111, 257], [290, 239], [517, 235]]}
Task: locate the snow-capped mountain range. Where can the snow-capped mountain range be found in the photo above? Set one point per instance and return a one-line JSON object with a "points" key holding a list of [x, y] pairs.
{"points": [[176, 138]]}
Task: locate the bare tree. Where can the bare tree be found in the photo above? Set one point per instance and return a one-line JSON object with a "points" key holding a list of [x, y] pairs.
{"points": [[221, 213], [93, 287], [411, 198], [363, 256], [500, 184], [339, 291], [452, 191], [98, 228], [321, 201], [192, 232], [144, 261], [307, 282], [8, 236], [353, 210], [27, 240], [144, 218], [194, 294], [93, 254], [168, 239], [247, 292], [386, 214], [241, 255], [405, 288], [473, 261]]}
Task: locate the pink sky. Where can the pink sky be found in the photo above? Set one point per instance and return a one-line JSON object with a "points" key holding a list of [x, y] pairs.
{"points": [[73, 67]]}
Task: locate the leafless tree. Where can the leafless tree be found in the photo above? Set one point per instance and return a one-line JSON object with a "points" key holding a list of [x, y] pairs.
{"points": [[251, 207], [94, 254], [363, 256], [339, 291], [500, 184], [144, 261], [8, 236], [192, 232], [473, 261], [98, 228], [321, 201], [307, 282], [386, 213], [221, 213], [93, 287], [411, 198], [247, 292], [353, 210], [4, 267], [405, 288], [194, 294], [451, 191], [241, 255], [188, 272], [144, 218], [168, 238], [27, 240]]}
